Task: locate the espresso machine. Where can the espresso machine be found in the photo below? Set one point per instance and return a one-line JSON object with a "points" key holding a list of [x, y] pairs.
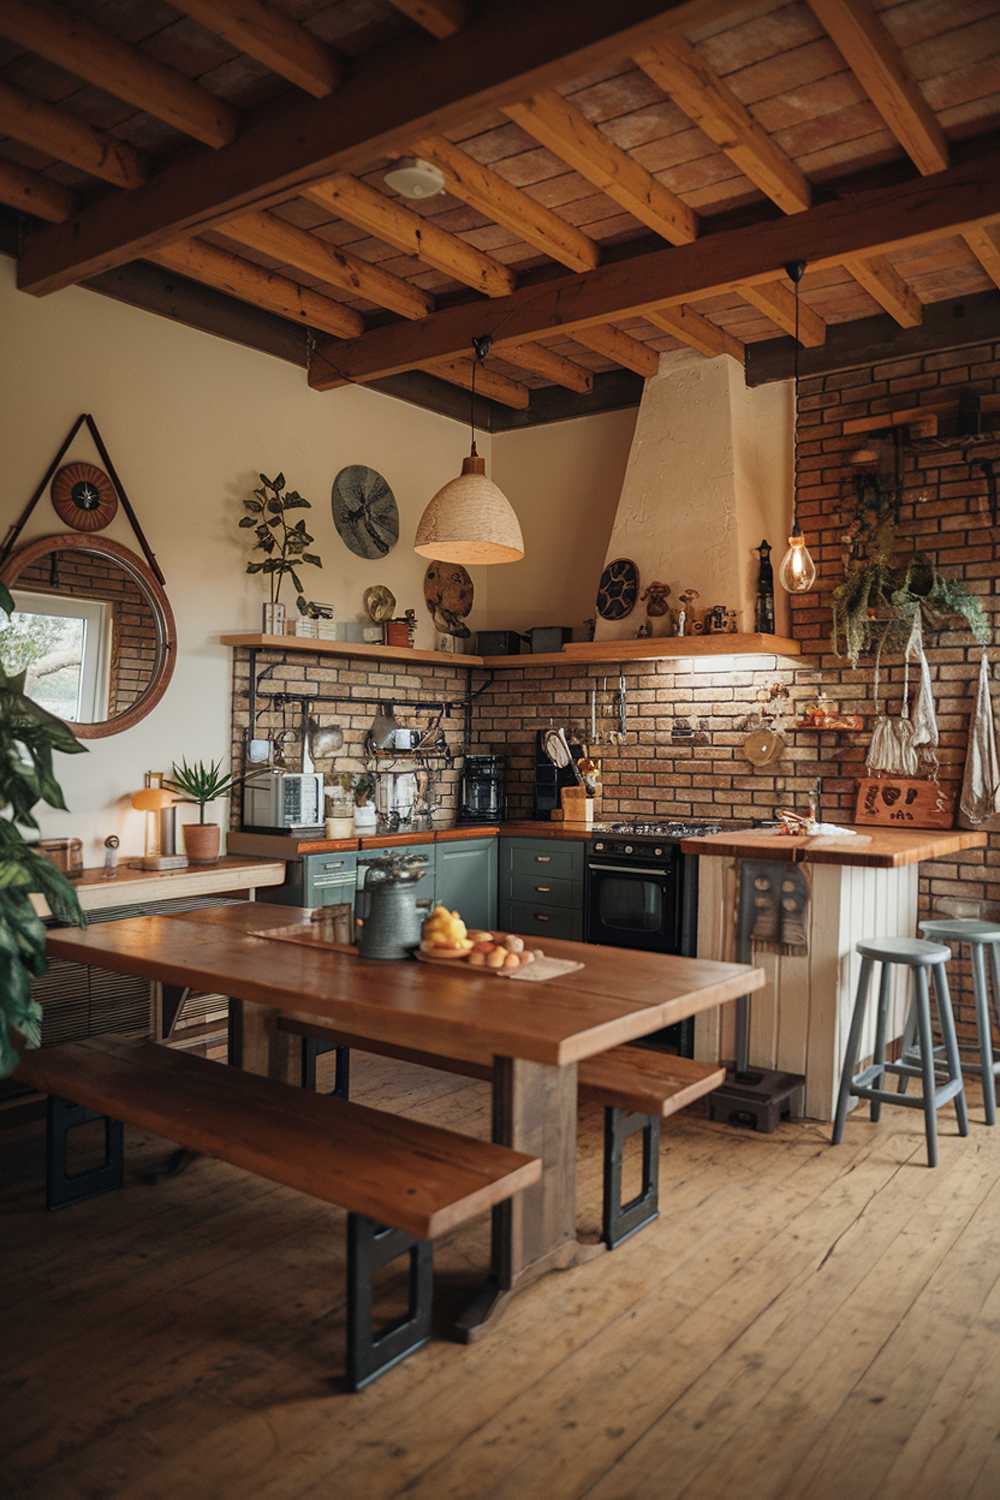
{"points": [[481, 797]]}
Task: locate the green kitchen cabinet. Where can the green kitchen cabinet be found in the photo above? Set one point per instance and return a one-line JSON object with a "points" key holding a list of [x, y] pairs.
{"points": [[318, 880], [541, 887], [467, 880]]}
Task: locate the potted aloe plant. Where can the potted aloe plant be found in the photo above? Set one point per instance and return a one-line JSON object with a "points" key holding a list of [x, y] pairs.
{"points": [[28, 736], [199, 784]]}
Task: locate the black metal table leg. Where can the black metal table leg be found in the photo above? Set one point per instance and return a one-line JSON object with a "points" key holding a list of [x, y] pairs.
{"points": [[371, 1246], [622, 1219], [62, 1187]]}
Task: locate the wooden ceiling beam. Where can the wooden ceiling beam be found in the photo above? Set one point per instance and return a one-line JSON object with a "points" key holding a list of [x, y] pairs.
{"points": [[875, 61], [884, 283], [32, 194], [874, 222], [706, 99], [565, 131], [273, 38], [262, 288], [508, 50], [984, 242], [552, 366], [307, 252], [442, 18], [774, 299], [621, 348], [58, 133], [488, 382], [88, 52], [494, 197], [389, 220], [687, 325]]}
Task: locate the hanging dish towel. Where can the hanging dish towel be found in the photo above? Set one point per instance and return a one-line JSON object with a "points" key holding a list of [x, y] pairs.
{"points": [[980, 798], [891, 750], [926, 736], [774, 907]]}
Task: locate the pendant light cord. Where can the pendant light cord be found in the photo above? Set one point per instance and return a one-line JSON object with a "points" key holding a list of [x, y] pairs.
{"points": [[796, 270], [481, 346]]}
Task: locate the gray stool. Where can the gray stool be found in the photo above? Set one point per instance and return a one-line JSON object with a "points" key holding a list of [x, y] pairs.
{"points": [[917, 956], [980, 936]]}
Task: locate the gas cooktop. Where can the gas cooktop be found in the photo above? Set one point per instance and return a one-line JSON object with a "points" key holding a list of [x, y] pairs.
{"points": [[676, 830]]}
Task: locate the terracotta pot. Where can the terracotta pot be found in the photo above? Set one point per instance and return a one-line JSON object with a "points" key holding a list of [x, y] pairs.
{"points": [[201, 842]]}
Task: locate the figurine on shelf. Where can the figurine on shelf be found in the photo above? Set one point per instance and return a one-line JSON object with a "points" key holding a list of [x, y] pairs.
{"points": [[764, 605], [685, 624], [656, 599], [644, 632]]}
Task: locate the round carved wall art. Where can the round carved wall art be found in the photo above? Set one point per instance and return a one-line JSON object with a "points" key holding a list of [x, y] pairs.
{"points": [[618, 589], [448, 594], [84, 497], [365, 512]]}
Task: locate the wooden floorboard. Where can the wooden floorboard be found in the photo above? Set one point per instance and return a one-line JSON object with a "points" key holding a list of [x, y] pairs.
{"points": [[800, 1322]]}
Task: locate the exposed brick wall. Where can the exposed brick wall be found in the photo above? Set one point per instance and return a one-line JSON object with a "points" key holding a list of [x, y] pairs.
{"points": [[352, 678], [944, 510]]}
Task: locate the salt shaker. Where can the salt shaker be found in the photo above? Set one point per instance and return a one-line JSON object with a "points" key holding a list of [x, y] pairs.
{"points": [[111, 856]]}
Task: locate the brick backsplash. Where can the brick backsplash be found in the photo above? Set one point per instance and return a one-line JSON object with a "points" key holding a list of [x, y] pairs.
{"points": [[944, 509]]}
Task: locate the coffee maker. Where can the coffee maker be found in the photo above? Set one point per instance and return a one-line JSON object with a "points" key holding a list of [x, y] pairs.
{"points": [[481, 797]]}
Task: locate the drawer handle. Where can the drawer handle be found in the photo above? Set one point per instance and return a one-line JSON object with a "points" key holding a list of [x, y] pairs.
{"points": [[543, 890], [541, 916], [543, 859]]}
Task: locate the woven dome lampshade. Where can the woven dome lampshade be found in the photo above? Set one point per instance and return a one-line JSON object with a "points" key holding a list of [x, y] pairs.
{"points": [[470, 520]]}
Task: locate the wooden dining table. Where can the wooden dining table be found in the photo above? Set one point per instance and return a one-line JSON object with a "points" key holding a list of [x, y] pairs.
{"points": [[536, 1034]]}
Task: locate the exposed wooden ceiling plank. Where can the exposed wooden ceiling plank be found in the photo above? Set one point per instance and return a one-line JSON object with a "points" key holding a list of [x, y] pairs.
{"points": [[553, 366], [877, 221], [307, 252], [494, 196], [273, 38], [506, 52], [568, 134], [440, 17], [984, 242], [58, 133], [263, 288], [696, 331], [875, 60], [32, 194], [775, 300], [883, 282], [619, 347], [488, 382], [88, 52], [390, 220], [677, 68]]}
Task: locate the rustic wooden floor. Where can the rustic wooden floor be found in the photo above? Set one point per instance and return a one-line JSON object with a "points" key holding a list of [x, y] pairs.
{"points": [[801, 1322]]}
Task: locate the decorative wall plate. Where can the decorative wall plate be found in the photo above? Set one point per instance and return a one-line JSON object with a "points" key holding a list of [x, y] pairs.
{"points": [[618, 589], [448, 593], [84, 497], [380, 603], [365, 512]]}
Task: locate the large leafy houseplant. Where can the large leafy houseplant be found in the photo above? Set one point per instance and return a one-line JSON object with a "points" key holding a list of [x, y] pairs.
{"points": [[28, 737], [283, 543]]}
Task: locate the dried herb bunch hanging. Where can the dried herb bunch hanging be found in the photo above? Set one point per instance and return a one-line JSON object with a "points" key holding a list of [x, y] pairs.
{"points": [[881, 592], [284, 546]]}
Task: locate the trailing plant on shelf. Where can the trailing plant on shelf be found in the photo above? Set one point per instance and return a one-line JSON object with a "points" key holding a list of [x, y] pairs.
{"points": [[283, 543], [28, 736]]}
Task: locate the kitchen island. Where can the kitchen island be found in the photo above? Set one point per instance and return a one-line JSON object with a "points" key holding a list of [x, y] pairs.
{"points": [[859, 885]]}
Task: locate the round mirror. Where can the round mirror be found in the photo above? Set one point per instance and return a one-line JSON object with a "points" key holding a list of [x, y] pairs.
{"points": [[93, 629]]}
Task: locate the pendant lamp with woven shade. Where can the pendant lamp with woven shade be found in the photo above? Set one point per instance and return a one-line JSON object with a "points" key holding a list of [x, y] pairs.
{"points": [[470, 520]]}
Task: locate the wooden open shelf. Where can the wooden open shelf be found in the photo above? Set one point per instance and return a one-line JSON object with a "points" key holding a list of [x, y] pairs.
{"points": [[406, 654]]}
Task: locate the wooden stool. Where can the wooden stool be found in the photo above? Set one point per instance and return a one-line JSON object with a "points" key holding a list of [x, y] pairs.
{"points": [[979, 936], [918, 956]]}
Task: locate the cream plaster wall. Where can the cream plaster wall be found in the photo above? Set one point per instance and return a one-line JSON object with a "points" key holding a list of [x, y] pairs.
{"points": [[564, 481], [189, 420]]}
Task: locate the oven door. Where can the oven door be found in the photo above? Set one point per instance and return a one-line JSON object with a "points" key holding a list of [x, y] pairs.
{"points": [[635, 906]]}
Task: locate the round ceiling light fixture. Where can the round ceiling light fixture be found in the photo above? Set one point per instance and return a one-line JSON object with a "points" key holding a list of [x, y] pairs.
{"points": [[413, 178]]}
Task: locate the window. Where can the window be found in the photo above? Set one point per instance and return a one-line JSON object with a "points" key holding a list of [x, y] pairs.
{"points": [[63, 643]]}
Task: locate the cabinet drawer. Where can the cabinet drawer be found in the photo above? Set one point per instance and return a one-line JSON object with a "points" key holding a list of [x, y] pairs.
{"points": [[537, 920], [546, 857], [325, 865], [548, 890]]}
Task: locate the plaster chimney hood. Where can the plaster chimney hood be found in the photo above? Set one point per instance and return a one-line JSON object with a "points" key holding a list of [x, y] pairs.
{"points": [[709, 475]]}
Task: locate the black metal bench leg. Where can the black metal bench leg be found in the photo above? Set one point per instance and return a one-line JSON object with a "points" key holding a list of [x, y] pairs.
{"points": [[63, 1188], [312, 1048], [371, 1246], [622, 1219]]}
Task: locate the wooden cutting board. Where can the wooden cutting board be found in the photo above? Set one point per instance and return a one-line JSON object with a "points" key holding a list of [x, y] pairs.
{"points": [[903, 802]]}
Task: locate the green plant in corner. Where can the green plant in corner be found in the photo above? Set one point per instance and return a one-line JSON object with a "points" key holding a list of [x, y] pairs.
{"points": [[201, 783], [283, 545], [28, 737]]}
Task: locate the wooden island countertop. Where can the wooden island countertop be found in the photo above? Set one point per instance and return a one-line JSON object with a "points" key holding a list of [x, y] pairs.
{"points": [[874, 848]]}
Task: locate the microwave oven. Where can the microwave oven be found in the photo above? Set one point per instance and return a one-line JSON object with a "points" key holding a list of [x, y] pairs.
{"points": [[281, 800]]}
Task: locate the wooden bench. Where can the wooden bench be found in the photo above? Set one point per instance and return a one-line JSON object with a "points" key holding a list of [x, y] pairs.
{"points": [[402, 1183], [638, 1086]]}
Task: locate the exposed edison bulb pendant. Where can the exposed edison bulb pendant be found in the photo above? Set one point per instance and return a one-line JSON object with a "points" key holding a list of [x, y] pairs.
{"points": [[797, 573]]}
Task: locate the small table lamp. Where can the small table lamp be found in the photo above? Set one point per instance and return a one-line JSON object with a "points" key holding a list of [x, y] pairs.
{"points": [[159, 806]]}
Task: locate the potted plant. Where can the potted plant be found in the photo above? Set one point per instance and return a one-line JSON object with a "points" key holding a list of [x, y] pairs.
{"points": [[283, 545], [28, 736], [199, 784]]}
